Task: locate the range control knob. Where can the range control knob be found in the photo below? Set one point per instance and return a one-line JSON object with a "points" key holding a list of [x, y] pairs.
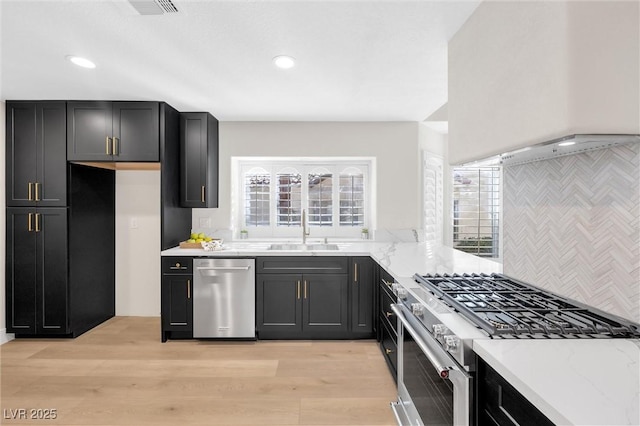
{"points": [[451, 343], [417, 309], [402, 293], [439, 330]]}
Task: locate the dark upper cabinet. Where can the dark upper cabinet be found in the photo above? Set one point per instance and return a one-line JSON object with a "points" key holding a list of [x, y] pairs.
{"points": [[199, 160], [113, 131], [361, 282], [37, 269], [36, 160]]}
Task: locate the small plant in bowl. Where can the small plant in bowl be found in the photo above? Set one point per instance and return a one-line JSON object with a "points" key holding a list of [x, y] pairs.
{"points": [[365, 233]]}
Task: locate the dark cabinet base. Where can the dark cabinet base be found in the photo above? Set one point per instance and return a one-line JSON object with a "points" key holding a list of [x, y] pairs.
{"points": [[499, 403]]}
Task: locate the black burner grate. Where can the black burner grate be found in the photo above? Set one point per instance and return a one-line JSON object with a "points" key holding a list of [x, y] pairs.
{"points": [[503, 306]]}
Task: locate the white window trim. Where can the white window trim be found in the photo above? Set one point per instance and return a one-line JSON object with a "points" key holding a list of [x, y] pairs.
{"points": [[304, 165]]}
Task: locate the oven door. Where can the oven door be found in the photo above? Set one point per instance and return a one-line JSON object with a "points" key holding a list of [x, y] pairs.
{"points": [[432, 388]]}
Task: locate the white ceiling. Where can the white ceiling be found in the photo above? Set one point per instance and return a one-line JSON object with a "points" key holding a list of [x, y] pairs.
{"points": [[356, 60]]}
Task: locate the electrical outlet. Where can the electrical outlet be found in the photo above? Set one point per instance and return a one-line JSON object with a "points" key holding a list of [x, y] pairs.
{"points": [[205, 222]]}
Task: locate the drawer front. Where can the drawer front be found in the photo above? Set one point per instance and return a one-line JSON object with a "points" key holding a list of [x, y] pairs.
{"points": [[389, 348], [177, 265], [302, 265], [385, 277], [387, 315]]}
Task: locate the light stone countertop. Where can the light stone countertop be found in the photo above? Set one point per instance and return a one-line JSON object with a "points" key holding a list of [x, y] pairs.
{"points": [[576, 382]]}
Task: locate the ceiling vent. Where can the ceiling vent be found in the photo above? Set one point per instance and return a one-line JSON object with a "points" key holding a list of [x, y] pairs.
{"points": [[154, 7]]}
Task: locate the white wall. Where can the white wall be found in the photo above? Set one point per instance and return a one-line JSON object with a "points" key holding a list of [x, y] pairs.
{"points": [[3, 327], [393, 144], [138, 249], [526, 72]]}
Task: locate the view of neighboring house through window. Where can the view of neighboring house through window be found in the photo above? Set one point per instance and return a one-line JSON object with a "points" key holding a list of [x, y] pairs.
{"points": [[334, 194], [476, 210]]}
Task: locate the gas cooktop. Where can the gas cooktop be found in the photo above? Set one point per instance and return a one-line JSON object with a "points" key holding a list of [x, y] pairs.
{"points": [[508, 308]]}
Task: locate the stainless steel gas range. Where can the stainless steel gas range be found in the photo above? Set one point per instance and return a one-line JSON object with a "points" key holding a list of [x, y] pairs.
{"points": [[441, 315]]}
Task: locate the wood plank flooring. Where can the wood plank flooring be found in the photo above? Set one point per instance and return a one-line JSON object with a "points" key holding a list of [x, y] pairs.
{"points": [[121, 374]]}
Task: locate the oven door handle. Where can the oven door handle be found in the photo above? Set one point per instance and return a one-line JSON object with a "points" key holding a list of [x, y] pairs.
{"points": [[442, 370]]}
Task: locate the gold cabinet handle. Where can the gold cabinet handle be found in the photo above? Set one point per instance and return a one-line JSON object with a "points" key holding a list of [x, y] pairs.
{"points": [[389, 314], [305, 289], [298, 290], [386, 282], [188, 289], [202, 193], [37, 185], [30, 191], [37, 222], [355, 271], [116, 148], [388, 351], [107, 145], [29, 226]]}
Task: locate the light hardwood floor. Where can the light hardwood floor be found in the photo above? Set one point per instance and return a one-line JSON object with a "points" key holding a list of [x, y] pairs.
{"points": [[121, 374]]}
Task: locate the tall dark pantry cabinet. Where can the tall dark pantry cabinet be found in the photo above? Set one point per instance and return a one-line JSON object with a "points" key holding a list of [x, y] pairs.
{"points": [[60, 228]]}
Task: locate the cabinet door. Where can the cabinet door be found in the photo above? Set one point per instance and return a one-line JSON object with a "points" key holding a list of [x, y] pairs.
{"points": [[51, 266], [279, 305], [362, 285], [21, 153], [193, 143], [89, 125], [199, 160], [177, 305], [136, 127], [21, 271], [325, 304], [51, 158]]}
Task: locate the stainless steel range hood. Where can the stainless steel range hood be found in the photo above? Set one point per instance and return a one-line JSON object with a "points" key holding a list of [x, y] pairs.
{"points": [[568, 145]]}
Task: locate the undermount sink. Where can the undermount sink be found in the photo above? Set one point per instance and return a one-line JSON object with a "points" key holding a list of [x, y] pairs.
{"points": [[303, 247]]}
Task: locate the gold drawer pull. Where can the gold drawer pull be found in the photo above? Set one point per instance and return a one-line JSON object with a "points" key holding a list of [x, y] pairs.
{"points": [[107, 145], [30, 190], [388, 351], [389, 314], [188, 289], [29, 226]]}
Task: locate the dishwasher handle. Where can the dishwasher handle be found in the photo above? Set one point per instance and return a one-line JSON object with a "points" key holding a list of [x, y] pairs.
{"points": [[223, 268]]}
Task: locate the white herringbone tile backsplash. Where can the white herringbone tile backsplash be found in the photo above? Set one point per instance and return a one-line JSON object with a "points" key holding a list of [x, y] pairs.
{"points": [[572, 226]]}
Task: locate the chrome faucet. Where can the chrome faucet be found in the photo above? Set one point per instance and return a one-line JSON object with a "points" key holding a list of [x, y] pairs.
{"points": [[305, 233]]}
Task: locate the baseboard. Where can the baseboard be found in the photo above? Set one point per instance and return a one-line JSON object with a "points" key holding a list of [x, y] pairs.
{"points": [[5, 337]]}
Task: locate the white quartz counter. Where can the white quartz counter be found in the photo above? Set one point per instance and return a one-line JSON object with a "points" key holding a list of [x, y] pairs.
{"points": [[573, 382], [398, 259]]}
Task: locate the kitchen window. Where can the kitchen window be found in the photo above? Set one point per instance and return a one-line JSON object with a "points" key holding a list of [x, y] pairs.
{"points": [[476, 210], [274, 192]]}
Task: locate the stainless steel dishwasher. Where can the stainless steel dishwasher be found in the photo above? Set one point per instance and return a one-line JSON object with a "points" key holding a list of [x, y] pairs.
{"points": [[224, 298]]}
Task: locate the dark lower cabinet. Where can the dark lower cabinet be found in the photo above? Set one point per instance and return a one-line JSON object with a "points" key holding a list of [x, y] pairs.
{"points": [[499, 403], [37, 284], [387, 321], [325, 305], [302, 306], [176, 301], [361, 282]]}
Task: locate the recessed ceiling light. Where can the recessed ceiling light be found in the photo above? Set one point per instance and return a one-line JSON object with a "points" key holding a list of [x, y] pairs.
{"points": [[81, 62], [284, 61], [566, 143]]}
